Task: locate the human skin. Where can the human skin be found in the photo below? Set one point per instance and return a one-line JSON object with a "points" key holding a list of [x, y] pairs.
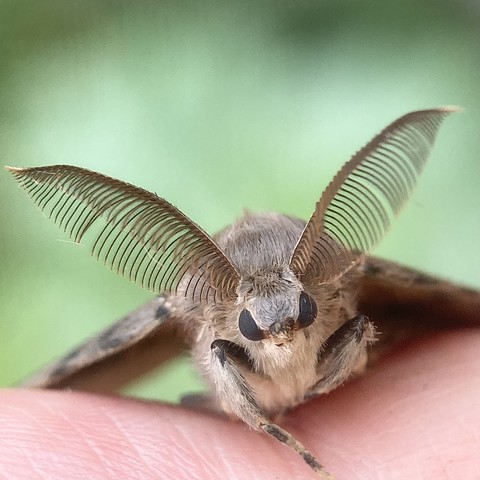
{"points": [[414, 416]]}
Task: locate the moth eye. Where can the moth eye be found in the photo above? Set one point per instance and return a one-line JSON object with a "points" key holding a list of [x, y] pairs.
{"points": [[248, 328], [308, 310]]}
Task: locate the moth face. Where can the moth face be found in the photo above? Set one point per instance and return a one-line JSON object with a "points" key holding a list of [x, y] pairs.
{"points": [[274, 307]]}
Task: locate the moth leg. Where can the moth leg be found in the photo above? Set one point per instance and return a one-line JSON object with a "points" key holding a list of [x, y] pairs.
{"points": [[200, 401], [344, 353], [237, 398]]}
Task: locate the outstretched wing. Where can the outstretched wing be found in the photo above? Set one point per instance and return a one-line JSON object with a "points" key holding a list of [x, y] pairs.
{"points": [[138, 234], [357, 207], [137, 343], [405, 304]]}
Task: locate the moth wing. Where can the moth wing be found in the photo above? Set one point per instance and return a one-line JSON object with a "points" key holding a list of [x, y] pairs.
{"points": [[404, 303], [137, 343]]}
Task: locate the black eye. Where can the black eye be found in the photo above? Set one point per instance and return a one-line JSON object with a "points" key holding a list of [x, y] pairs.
{"points": [[308, 310], [248, 327]]}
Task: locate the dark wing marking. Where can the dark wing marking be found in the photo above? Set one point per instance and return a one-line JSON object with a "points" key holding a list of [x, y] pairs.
{"points": [[404, 303], [139, 235], [357, 207], [137, 343]]}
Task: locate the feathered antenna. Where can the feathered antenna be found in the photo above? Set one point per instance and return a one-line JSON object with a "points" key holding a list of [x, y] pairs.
{"points": [[357, 207], [142, 237]]}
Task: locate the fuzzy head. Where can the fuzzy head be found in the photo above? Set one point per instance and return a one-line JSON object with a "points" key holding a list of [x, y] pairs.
{"points": [[274, 306]]}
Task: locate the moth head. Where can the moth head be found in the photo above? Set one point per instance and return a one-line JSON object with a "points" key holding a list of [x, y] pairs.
{"points": [[274, 305]]}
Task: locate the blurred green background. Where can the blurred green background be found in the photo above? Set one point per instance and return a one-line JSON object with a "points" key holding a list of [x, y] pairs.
{"points": [[218, 106]]}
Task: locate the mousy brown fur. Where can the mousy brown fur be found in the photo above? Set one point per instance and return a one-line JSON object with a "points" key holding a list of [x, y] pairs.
{"points": [[260, 247]]}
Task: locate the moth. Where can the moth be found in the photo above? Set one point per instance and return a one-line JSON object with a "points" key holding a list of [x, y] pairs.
{"points": [[275, 310]]}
